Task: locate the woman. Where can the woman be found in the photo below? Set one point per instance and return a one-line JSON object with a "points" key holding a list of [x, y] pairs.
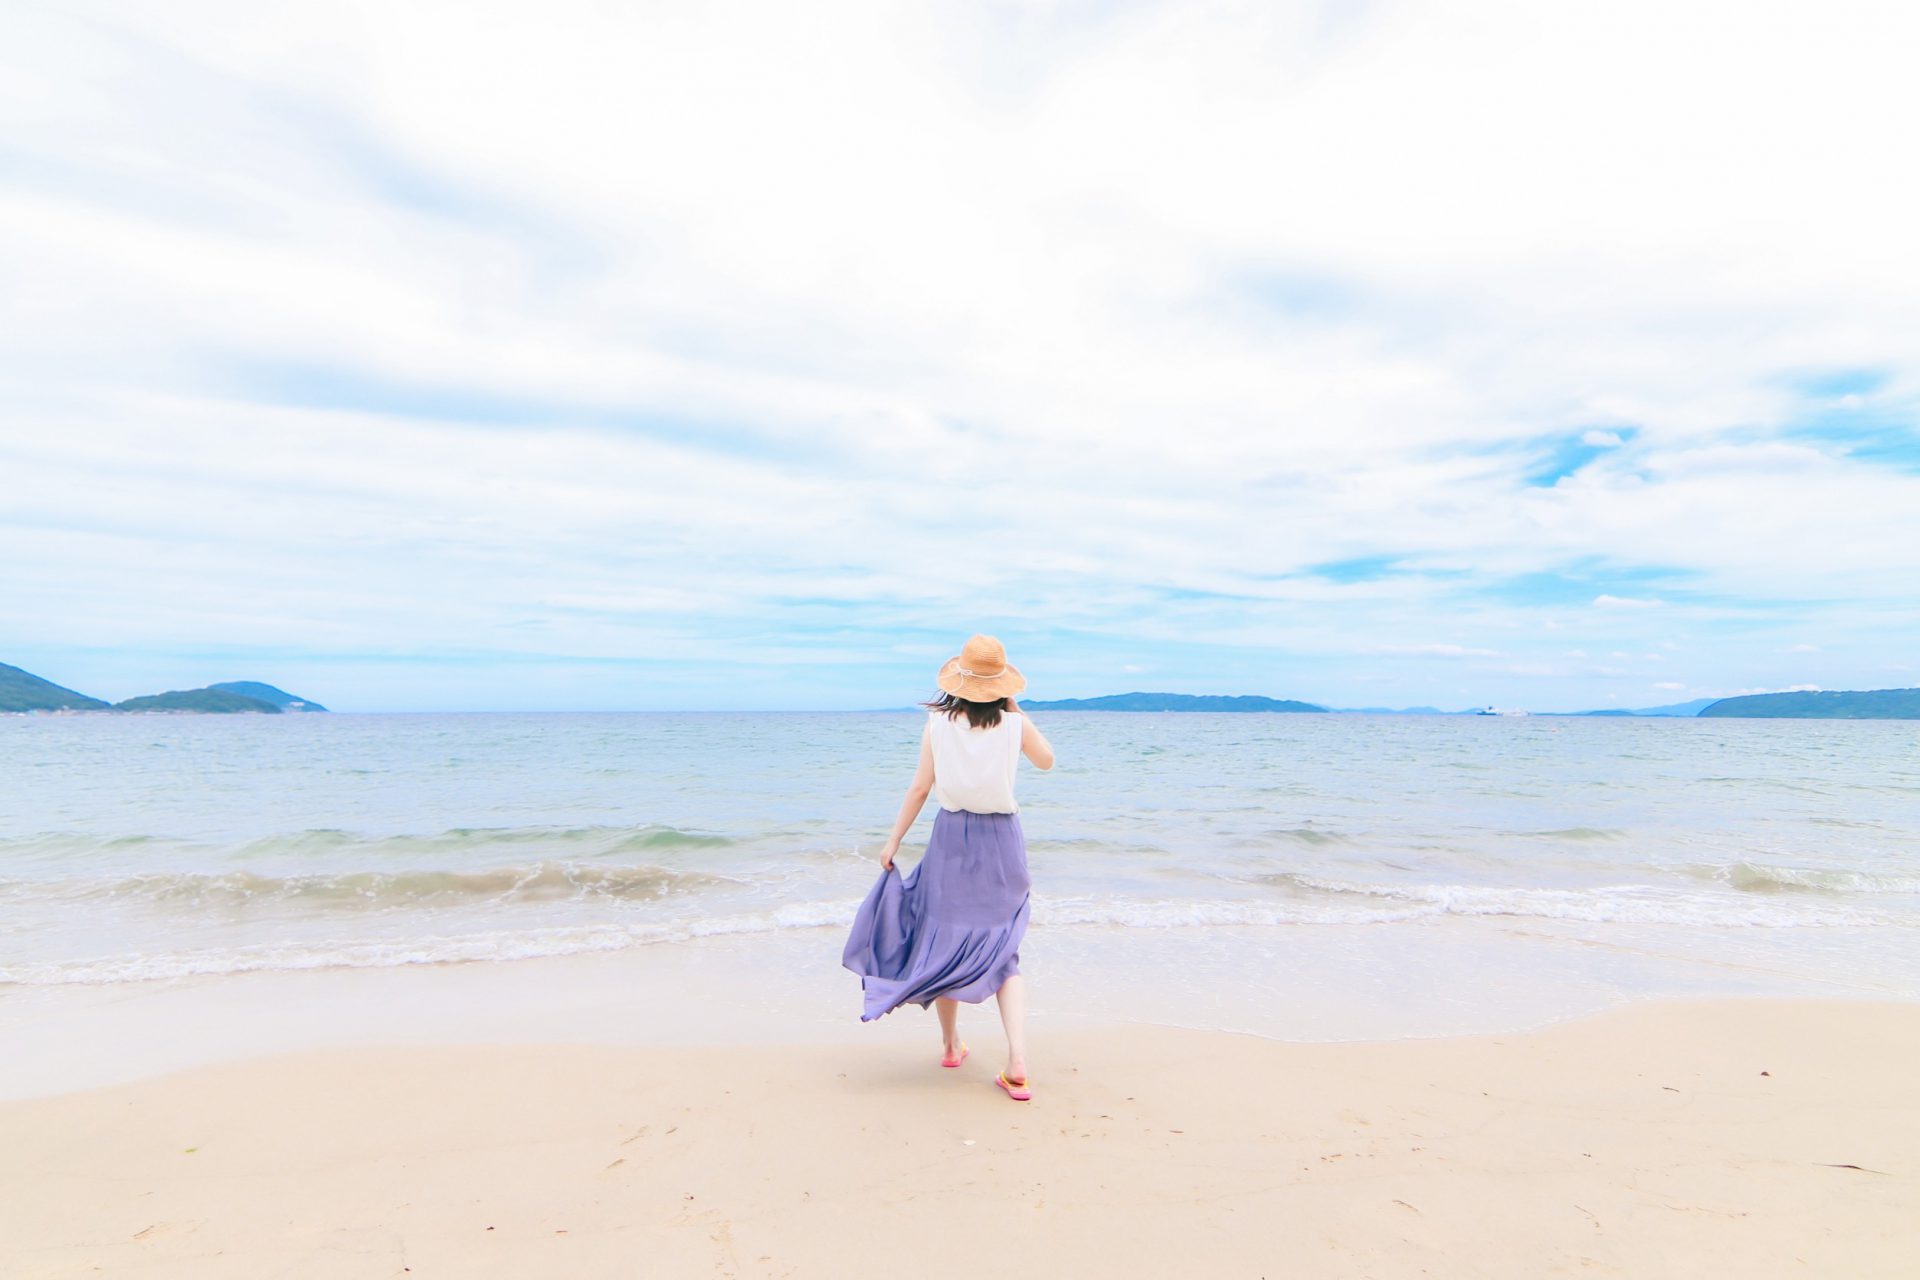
{"points": [[950, 929]]}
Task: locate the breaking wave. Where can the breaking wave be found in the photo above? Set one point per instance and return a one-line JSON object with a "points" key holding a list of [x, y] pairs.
{"points": [[1308, 903], [454, 844], [376, 890], [1750, 877]]}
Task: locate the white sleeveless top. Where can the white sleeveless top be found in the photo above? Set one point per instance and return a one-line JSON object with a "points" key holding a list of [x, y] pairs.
{"points": [[973, 768]]}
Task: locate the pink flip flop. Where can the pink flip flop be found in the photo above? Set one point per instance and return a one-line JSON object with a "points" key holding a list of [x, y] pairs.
{"points": [[954, 1062], [1018, 1092]]}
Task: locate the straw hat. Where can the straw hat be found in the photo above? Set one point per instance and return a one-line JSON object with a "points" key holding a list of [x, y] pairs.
{"points": [[981, 672]]}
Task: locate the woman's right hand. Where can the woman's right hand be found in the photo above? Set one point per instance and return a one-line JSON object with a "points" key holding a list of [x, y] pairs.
{"points": [[886, 854]]}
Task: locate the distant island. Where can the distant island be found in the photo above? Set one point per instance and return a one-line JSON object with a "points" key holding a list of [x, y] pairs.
{"points": [[1173, 702], [1682, 709], [280, 699], [1880, 704], [24, 691], [209, 701], [1830, 704]]}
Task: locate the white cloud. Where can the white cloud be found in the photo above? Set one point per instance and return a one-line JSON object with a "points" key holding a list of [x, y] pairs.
{"points": [[666, 328], [1669, 685], [1434, 651]]}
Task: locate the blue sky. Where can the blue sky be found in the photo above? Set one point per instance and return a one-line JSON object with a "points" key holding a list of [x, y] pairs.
{"points": [[572, 356]]}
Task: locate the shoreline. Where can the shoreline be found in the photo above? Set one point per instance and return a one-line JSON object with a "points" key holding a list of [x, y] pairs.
{"points": [[1433, 979], [1751, 1137]]}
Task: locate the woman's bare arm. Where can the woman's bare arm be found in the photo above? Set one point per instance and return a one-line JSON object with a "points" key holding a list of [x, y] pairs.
{"points": [[917, 792], [1033, 743]]}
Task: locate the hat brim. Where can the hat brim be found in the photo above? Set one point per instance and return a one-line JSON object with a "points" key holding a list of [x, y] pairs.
{"points": [[977, 688]]}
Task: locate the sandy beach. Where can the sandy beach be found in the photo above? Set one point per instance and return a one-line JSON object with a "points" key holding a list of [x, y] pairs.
{"points": [[1748, 1138], [557, 558]]}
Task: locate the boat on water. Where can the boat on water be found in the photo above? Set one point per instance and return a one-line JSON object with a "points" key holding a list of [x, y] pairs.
{"points": [[1500, 711]]}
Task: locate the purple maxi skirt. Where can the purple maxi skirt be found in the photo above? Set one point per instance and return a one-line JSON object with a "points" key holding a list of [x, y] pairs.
{"points": [[949, 929]]}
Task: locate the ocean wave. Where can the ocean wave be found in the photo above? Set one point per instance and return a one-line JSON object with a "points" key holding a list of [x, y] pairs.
{"points": [[435, 949], [536, 882], [1331, 904], [528, 944], [1750, 877], [1600, 904], [595, 841], [1306, 835], [1202, 913], [558, 841]]}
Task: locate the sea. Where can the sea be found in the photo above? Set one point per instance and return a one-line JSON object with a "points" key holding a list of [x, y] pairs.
{"points": [[1297, 876]]}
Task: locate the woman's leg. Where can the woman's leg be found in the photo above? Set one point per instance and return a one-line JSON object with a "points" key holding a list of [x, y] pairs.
{"points": [[949, 1011], [1013, 1016]]}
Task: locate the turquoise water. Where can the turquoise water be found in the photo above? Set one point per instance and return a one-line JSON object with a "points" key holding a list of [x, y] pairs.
{"points": [[1192, 852]]}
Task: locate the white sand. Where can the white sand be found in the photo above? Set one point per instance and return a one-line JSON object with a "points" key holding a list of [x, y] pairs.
{"points": [[1683, 1140]]}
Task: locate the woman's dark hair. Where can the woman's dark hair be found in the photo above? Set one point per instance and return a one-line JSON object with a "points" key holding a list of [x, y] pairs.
{"points": [[981, 715]]}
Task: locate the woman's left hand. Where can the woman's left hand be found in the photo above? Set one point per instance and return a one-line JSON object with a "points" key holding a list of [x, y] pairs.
{"points": [[886, 854]]}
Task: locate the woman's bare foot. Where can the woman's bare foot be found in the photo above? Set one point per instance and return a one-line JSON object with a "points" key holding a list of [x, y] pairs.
{"points": [[950, 1046]]}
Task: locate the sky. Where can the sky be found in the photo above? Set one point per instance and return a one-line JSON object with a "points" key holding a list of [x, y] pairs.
{"points": [[671, 356]]}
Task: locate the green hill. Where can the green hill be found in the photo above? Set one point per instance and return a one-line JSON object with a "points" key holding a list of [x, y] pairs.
{"points": [[1825, 704], [213, 701], [24, 691], [267, 693], [1173, 702]]}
